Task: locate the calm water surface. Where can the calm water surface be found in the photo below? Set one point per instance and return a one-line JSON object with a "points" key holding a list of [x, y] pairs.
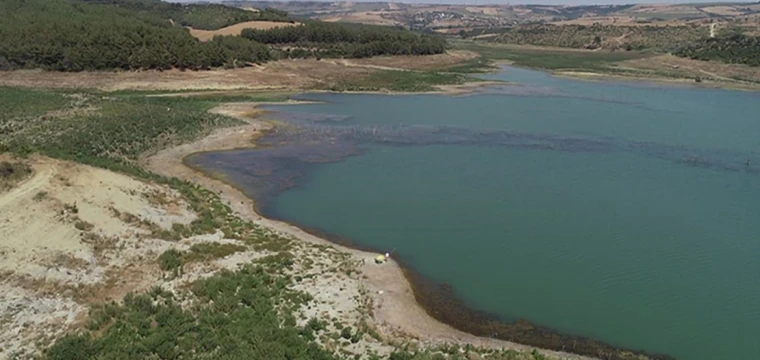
{"points": [[640, 226]]}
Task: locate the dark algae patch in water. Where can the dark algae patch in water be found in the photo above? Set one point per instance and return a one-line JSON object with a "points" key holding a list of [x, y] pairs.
{"points": [[442, 303]]}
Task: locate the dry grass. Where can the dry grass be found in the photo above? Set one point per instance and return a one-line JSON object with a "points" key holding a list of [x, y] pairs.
{"points": [[286, 74], [487, 10], [206, 35], [672, 66], [420, 62], [722, 10]]}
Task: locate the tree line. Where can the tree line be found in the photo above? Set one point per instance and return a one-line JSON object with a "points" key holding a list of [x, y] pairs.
{"points": [[67, 35], [74, 35], [732, 49], [348, 40]]}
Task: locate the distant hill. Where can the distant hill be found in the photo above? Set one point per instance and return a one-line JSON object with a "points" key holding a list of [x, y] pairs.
{"points": [[451, 18]]}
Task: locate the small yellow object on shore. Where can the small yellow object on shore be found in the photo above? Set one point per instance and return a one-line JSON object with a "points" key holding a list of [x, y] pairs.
{"points": [[380, 259]]}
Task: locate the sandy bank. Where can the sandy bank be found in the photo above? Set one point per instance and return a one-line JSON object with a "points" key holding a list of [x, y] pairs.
{"points": [[396, 312]]}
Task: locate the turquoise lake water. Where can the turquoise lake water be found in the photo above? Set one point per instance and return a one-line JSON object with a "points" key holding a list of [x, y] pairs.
{"points": [[622, 212]]}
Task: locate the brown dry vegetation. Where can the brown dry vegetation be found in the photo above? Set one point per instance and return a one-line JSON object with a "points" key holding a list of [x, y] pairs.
{"points": [[673, 66], [206, 35], [672, 69], [420, 62], [618, 20], [722, 10]]}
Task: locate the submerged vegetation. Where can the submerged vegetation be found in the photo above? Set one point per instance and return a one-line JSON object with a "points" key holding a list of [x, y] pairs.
{"points": [[397, 80]]}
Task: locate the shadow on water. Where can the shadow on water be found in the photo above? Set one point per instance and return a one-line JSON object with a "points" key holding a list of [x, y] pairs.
{"points": [[289, 152]]}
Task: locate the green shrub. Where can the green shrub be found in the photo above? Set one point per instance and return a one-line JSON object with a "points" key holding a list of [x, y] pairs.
{"points": [[171, 260], [211, 250], [346, 332], [733, 49]]}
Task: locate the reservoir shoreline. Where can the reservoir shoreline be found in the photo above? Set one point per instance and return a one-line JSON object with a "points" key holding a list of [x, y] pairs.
{"points": [[411, 304]]}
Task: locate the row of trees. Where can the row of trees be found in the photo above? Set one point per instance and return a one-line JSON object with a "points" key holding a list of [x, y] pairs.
{"points": [[350, 40], [733, 49]]}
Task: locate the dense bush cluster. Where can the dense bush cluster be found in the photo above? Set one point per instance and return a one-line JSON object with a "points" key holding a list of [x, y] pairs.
{"points": [[68, 35], [198, 16], [350, 40], [734, 49], [604, 36]]}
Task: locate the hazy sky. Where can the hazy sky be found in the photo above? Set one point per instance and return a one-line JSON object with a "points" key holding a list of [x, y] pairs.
{"points": [[552, 2]]}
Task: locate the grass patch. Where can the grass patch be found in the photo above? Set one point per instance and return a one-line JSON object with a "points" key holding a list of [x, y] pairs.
{"points": [[544, 58], [212, 95], [171, 260], [22, 102], [262, 241], [398, 81], [114, 131], [211, 250]]}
